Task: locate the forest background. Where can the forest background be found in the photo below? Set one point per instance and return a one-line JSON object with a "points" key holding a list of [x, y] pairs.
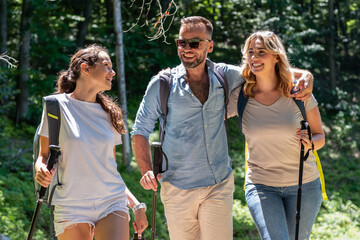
{"points": [[320, 35]]}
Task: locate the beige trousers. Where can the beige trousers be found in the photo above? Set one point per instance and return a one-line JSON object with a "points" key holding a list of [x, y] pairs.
{"points": [[201, 213]]}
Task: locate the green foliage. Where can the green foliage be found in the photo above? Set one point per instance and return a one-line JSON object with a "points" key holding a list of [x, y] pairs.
{"points": [[337, 220], [7, 90], [17, 203], [15, 145], [244, 227], [305, 30]]}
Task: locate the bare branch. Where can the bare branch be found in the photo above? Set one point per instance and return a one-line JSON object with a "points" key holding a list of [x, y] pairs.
{"points": [[140, 14], [168, 16], [9, 60]]}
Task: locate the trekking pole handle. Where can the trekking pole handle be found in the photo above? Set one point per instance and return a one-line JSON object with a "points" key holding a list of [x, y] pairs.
{"points": [[157, 160], [304, 124], [157, 165], [54, 153]]}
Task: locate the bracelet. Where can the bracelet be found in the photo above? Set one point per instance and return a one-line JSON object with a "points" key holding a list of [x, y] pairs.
{"points": [[137, 207]]}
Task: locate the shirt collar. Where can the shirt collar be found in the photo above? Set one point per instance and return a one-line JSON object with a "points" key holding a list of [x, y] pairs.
{"points": [[181, 72]]}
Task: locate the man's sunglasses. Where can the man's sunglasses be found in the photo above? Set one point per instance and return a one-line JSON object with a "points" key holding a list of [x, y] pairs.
{"points": [[193, 43]]}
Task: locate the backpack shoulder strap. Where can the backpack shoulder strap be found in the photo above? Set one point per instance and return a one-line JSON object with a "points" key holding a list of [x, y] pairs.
{"points": [[300, 105], [53, 117], [220, 74], [165, 83], [242, 101]]}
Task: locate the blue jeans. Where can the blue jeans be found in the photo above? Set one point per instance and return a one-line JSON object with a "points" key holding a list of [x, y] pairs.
{"points": [[274, 209]]}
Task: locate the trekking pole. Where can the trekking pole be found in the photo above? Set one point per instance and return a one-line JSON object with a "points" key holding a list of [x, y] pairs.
{"points": [[157, 160], [304, 125], [54, 152]]}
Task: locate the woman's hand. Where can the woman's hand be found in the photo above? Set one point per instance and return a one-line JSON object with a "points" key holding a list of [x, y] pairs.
{"points": [[43, 175], [303, 138], [141, 222]]}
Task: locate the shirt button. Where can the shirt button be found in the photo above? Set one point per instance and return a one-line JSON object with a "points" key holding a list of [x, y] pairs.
{"points": [[204, 108], [207, 144], [205, 125], [210, 162]]}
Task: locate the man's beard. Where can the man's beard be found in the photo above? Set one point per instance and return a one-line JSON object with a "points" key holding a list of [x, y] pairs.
{"points": [[195, 63]]}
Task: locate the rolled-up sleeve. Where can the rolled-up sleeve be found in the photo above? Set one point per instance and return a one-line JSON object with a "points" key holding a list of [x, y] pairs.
{"points": [[149, 110], [232, 108], [233, 75]]}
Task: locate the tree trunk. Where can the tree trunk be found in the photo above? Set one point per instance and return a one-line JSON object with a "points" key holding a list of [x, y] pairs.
{"points": [[332, 45], [120, 77], [22, 103], [343, 29], [83, 25], [312, 2], [109, 12], [3, 30]]}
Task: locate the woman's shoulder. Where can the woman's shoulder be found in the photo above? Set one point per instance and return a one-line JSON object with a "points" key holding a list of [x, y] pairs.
{"points": [[60, 97]]}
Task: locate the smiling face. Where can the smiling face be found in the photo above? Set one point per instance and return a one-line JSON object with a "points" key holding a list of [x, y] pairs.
{"points": [[101, 73], [259, 59], [193, 57]]}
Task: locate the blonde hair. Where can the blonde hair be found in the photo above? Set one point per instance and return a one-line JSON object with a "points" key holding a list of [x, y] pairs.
{"points": [[274, 45]]}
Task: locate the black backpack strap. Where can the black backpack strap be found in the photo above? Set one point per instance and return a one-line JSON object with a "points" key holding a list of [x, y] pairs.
{"points": [[53, 117], [164, 91], [220, 75], [242, 101], [165, 83], [301, 106]]}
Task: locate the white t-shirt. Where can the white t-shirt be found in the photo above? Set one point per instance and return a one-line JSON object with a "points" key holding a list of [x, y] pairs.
{"points": [[87, 168]]}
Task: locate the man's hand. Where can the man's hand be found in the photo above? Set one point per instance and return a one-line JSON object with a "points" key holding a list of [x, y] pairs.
{"points": [[304, 86], [148, 180]]}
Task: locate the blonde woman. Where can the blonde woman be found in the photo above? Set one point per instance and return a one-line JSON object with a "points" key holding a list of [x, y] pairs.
{"points": [[271, 125]]}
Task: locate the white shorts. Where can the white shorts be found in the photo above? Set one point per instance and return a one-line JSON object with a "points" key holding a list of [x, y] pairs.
{"points": [[87, 212]]}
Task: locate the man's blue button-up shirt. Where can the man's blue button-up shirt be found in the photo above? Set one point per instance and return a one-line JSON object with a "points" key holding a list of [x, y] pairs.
{"points": [[195, 136]]}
